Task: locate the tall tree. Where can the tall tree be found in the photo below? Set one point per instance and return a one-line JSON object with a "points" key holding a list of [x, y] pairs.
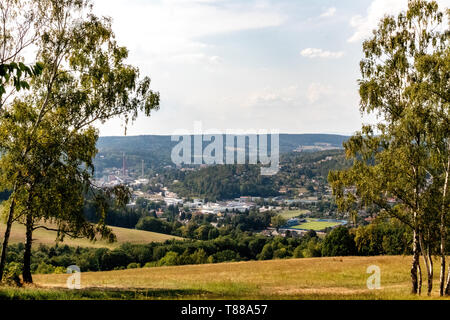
{"points": [[49, 138], [392, 158]]}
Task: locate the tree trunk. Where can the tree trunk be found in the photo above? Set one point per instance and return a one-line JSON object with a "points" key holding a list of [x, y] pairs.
{"points": [[26, 272], [443, 230], [447, 286], [442, 276], [430, 273], [6, 238], [419, 276], [416, 277], [428, 260]]}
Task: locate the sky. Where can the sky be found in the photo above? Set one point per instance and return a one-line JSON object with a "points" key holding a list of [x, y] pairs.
{"points": [[285, 65]]}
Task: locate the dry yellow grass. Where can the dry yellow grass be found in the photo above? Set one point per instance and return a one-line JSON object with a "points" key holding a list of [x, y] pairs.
{"points": [[123, 235], [316, 278]]}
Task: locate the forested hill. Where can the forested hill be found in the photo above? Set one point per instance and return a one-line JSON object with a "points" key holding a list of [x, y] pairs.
{"points": [[155, 150], [288, 142]]}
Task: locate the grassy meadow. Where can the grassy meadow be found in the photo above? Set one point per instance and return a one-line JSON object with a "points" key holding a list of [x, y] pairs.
{"points": [[47, 237], [312, 278], [316, 225], [288, 214]]}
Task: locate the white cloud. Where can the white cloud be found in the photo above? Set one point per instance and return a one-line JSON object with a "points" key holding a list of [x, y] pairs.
{"points": [[376, 11], [330, 12], [270, 97], [317, 91], [319, 53], [170, 29]]}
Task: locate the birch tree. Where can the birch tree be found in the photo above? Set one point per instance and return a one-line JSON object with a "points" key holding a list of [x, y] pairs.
{"points": [[405, 83], [48, 137]]}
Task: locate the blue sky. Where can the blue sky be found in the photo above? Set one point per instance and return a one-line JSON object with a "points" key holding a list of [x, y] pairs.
{"points": [[288, 65]]}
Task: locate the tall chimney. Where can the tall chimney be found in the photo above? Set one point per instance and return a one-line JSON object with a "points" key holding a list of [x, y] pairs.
{"points": [[123, 164]]}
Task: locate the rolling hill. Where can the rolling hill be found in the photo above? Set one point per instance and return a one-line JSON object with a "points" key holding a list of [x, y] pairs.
{"points": [[42, 236]]}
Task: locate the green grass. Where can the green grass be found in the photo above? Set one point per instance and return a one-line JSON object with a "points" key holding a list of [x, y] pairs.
{"points": [[47, 237], [314, 224], [312, 278], [288, 214]]}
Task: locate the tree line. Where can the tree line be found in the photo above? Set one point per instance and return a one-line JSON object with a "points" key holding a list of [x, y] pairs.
{"points": [[381, 238]]}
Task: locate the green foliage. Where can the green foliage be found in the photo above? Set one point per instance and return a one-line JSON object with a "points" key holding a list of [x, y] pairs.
{"points": [[339, 242], [154, 225], [278, 221], [15, 73], [226, 182], [313, 249], [402, 163], [382, 238], [12, 273], [266, 253], [226, 255], [298, 252], [170, 259], [239, 246], [133, 265], [47, 137], [44, 268]]}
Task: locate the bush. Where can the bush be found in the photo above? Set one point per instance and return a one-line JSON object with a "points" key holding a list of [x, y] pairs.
{"points": [[199, 256], [150, 264], [154, 225], [226, 255], [339, 242], [170, 259], [114, 259], [133, 265], [280, 253], [313, 249], [60, 270], [44, 268], [298, 252], [12, 273], [266, 253]]}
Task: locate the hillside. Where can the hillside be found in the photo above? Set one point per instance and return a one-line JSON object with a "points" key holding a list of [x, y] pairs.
{"points": [[315, 278], [123, 235], [155, 150]]}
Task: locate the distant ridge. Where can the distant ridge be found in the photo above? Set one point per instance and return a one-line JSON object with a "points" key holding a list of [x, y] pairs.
{"points": [[288, 142], [156, 149]]}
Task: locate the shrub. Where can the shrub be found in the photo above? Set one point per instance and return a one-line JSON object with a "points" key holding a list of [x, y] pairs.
{"points": [[226, 255], [199, 256], [12, 273], [44, 268], [280, 253], [266, 253], [133, 265], [150, 264], [170, 259], [339, 242], [298, 252], [60, 270]]}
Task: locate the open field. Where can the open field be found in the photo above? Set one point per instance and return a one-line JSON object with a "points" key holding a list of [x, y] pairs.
{"points": [[123, 235], [313, 278], [316, 225], [288, 214]]}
